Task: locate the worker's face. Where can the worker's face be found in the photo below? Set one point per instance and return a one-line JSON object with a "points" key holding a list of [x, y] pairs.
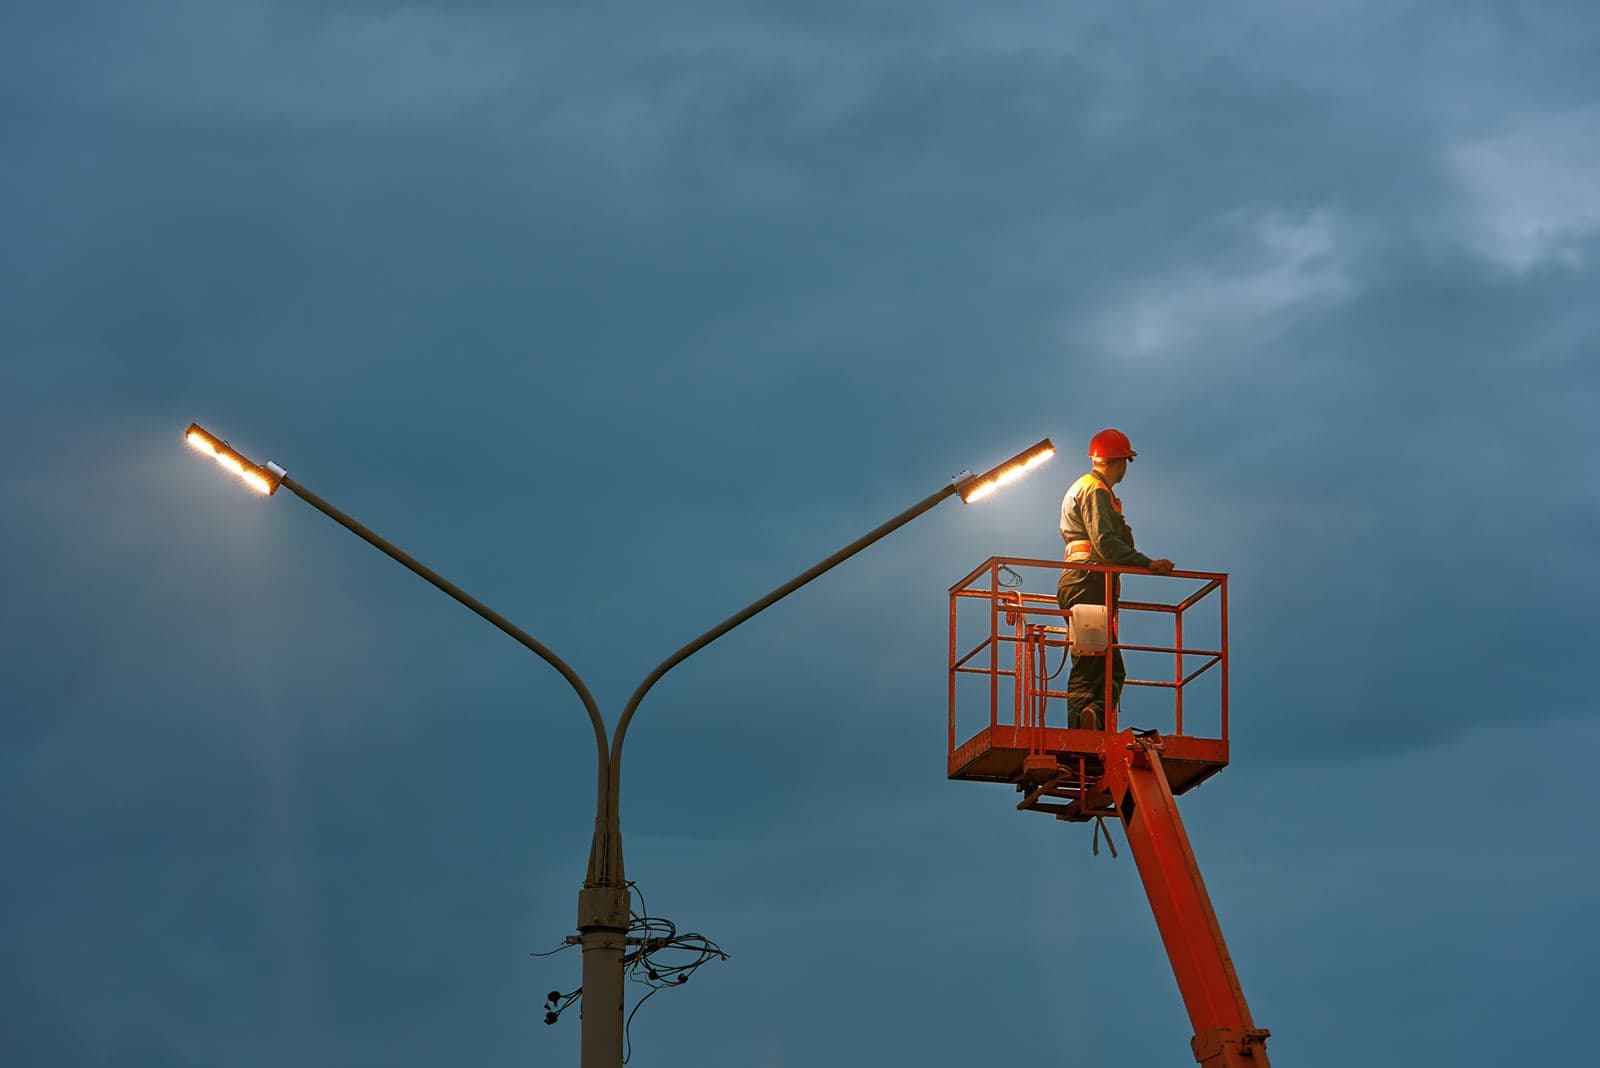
{"points": [[1114, 470]]}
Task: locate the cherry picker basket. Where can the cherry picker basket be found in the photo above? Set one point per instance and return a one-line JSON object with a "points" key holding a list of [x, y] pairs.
{"points": [[1008, 685]]}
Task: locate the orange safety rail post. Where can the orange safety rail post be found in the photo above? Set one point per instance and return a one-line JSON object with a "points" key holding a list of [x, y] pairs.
{"points": [[994, 643], [1016, 619], [951, 742]]}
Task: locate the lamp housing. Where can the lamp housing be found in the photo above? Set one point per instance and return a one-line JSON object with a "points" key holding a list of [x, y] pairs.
{"points": [[263, 478]]}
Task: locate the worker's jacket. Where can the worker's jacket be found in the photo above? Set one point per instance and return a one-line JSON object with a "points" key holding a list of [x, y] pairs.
{"points": [[1093, 529]]}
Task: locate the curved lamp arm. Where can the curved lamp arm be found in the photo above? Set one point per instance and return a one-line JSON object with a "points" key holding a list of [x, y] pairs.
{"points": [[612, 865], [605, 859], [268, 478], [515, 632]]}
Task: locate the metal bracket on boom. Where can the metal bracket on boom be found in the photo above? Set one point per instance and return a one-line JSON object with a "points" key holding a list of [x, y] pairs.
{"points": [[1223, 1046]]}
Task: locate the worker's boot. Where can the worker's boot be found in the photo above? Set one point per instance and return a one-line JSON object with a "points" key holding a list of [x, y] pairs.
{"points": [[1085, 717]]}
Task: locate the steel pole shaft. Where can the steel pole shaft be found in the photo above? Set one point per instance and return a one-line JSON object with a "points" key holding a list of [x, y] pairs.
{"points": [[603, 929]]}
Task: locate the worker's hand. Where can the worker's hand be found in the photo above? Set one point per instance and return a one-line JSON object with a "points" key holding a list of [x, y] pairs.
{"points": [[1161, 567]]}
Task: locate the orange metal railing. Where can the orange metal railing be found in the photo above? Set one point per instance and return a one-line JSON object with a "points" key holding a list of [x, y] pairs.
{"points": [[1027, 630]]}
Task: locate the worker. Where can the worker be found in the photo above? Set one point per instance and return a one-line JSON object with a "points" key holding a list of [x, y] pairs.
{"points": [[1095, 533]]}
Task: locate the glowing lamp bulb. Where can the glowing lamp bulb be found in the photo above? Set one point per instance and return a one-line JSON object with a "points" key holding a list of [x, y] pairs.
{"points": [[263, 480], [976, 489], [258, 482]]}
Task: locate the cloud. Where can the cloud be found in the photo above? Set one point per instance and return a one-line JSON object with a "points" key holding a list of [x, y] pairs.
{"points": [[1268, 267], [1533, 192], [249, 60]]}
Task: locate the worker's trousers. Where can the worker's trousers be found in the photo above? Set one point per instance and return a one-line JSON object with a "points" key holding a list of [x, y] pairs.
{"points": [[1086, 686]]}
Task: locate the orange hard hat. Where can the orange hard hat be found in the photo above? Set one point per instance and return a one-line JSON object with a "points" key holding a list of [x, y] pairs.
{"points": [[1111, 445]]}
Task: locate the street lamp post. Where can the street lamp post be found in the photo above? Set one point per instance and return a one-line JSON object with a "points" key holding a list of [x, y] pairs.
{"points": [[603, 908]]}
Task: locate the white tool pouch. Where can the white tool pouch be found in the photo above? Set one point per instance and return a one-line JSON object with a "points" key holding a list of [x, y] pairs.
{"points": [[1091, 632]]}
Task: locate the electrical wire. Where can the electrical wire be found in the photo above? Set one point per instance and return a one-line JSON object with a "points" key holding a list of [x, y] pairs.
{"points": [[553, 952], [665, 958], [556, 1003], [1065, 653], [662, 958]]}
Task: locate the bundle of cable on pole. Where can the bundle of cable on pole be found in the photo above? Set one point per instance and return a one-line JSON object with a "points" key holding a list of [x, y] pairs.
{"points": [[659, 957]]}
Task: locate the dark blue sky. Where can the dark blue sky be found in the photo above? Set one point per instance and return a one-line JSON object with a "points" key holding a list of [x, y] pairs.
{"points": [[620, 315]]}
